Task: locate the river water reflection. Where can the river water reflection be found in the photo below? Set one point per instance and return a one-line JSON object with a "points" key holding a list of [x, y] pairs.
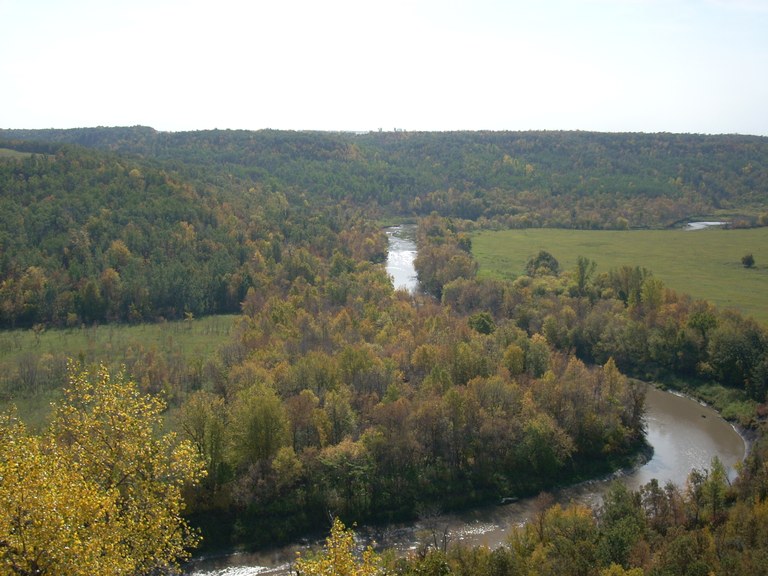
{"points": [[400, 257], [683, 433]]}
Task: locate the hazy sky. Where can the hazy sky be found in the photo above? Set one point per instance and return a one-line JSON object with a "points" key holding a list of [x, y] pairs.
{"points": [[609, 65]]}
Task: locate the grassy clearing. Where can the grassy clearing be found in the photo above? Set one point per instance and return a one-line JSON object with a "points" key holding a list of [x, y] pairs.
{"points": [[26, 356], [199, 337], [733, 405], [704, 263], [13, 154]]}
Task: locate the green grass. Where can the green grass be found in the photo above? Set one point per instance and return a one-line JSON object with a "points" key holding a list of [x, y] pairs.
{"points": [[705, 264], [199, 337], [13, 154], [113, 344]]}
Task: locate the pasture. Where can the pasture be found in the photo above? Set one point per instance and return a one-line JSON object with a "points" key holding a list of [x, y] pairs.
{"points": [[33, 363], [7, 153], [703, 263]]}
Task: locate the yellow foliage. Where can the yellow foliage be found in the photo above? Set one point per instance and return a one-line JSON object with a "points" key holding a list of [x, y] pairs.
{"points": [[53, 519], [338, 557], [616, 570], [99, 492]]}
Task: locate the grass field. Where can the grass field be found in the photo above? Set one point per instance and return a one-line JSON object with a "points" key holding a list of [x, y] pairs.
{"points": [[199, 337], [114, 345], [15, 154], [703, 263]]}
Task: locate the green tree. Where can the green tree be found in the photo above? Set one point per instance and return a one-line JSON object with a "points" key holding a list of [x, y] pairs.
{"points": [[482, 322], [258, 425], [537, 356], [622, 524], [585, 269], [203, 421], [748, 260], [542, 264], [545, 445], [514, 359]]}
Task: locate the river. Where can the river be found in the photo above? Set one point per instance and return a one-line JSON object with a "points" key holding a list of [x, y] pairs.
{"points": [[400, 257], [684, 435]]}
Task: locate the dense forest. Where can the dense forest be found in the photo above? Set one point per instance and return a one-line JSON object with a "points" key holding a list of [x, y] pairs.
{"points": [[568, 179], [146, 224], [336, 392]]}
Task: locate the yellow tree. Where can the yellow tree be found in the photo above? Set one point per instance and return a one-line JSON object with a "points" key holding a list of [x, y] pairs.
{"points": [[53, 520], [338, 557], [100, 491]]}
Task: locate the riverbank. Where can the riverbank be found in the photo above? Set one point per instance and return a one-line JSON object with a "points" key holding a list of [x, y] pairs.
{"points": [[220, 531], [681, 439], [732, 405]]}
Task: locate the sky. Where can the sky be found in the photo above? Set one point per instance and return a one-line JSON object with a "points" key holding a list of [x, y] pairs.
{"points": [[682, 66]]}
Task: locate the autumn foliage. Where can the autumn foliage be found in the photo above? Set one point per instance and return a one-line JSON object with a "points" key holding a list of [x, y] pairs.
{"points": [[99, 491]]}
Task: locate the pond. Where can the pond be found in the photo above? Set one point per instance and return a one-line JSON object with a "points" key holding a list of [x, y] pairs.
{"points": [[702, 225]]}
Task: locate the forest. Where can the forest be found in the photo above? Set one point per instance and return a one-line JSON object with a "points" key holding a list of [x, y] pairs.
{"points": [[334, 392]]}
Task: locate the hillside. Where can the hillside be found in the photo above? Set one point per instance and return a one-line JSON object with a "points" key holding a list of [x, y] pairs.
{"points": [[520, 179], [104, 224], [89, 236]]}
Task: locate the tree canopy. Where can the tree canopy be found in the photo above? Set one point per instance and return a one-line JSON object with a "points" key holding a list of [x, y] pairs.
{"points": [[100, 491]]}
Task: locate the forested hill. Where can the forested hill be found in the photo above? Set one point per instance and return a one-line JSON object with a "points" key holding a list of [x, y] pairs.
{"points": [[105, 224], [91, 236], [564, 179]]}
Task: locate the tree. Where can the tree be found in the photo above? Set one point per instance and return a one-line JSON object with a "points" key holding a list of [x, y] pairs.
{"points": [[53, 520], [622, 524], [514, 359], [99, 491], [545, 445], [562, 541], [617, 570], [748, 261], [482, 322], [338, 557], [203, 420], [542, 264], [585, 269], [258, 424], [537, 356]]}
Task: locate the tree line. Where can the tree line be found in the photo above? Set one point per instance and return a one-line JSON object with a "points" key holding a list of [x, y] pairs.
{"points": [[707, 526], [143, 225], [625, 314], [89, 237], [382, 402], [350, 397], [565, 179]]}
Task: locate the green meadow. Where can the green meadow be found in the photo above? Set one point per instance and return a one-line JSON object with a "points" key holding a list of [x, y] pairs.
{"points": [[199, 337], [703, 263], [28, 354], [14, 154]]}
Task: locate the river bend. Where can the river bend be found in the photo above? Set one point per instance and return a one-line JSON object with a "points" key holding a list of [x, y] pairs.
{"points": [[684, 435]]}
